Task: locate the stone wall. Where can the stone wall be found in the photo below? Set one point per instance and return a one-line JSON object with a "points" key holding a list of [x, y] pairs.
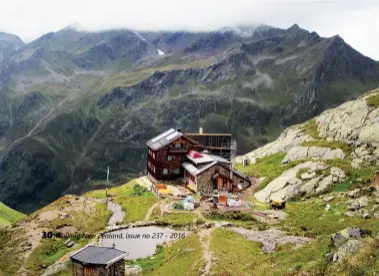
{"points": [[77, 269], [120, 268]]}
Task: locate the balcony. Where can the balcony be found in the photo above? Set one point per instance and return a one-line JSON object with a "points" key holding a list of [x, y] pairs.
{"points": [[178, 150]]}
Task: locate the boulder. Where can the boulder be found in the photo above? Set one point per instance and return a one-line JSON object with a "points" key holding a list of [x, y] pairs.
{"points": [[363, 201], [320, 153], [354, 193], [356, 163], [132, 270], [286, 185], [338, 174], [354, 206], [308, 188], [328, 198], [354, 233], [366, 216], [376, 215], [361, 151], [349, 248], [349, 214], [324, 185]]}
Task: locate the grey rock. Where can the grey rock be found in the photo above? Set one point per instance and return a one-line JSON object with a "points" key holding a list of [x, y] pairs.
{"points": [[366, 215], [349, 214], [354, 206], [354, 233], [356, 163], [363, 201], [324, 184], [328, 198], [319, 153], [350, 247], [132, 270], [355, 193]]}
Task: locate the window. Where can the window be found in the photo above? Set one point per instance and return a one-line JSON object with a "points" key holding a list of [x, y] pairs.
{"points": [[169, 158], [153, 155], [165, 171], [178, 145], [177, 171]]}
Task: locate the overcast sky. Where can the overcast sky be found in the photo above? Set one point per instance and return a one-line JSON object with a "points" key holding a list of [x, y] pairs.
{"points": [[355, 21]]}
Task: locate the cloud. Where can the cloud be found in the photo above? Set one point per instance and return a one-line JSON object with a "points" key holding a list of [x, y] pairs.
{"points": [[355, 21]]}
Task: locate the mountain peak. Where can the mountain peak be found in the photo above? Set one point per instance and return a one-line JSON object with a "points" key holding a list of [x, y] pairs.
{"points": [[294, 27], [240, 30], [75, 26]]}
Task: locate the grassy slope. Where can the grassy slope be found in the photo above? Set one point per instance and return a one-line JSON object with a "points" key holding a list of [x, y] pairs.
{"points": [[135, 206], [236, 256], [269, 167], [9, 216], [50, 250], [183, 257]]}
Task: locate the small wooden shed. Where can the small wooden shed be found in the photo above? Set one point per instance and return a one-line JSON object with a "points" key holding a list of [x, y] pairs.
{"points": [[98, 261]]}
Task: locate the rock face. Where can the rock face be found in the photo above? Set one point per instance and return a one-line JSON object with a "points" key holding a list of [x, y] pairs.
{"points": [[289, 138], [354, 123], [319, 153], [289, 185]]}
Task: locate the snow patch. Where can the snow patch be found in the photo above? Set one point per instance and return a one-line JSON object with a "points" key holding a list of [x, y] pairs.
{"points": [[140, 36], [160, 52]]}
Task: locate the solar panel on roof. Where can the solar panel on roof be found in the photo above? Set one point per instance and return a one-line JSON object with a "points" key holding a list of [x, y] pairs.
{"points": [[168, 132]]}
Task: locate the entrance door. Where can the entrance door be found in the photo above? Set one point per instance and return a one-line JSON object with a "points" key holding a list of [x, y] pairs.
{"points": [[88, 270]]}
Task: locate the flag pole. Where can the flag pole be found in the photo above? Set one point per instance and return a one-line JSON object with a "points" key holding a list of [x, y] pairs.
{"points": [[106, 185]]}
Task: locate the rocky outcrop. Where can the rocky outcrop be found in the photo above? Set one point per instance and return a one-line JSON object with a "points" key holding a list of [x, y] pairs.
{"points": [[354, 123], [288, 185], [301, 152], [346, 243], [290, 137], [351, 121]]}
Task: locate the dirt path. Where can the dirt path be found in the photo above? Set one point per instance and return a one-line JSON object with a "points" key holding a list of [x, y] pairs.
{"points": [[205, 241], [117, 213], [151, 210]]}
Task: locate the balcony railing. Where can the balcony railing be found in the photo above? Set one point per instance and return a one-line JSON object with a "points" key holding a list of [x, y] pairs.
{"points": [[178, 150]]}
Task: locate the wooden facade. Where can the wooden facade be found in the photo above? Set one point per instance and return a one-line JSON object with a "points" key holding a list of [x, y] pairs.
{"points": [[165, 163], [217, 177]]}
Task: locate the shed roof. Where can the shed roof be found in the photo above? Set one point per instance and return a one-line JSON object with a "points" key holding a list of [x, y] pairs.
{"points": [[164, 139], [98, 255]]}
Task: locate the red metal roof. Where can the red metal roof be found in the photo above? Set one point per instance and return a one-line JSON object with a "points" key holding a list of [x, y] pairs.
{"points": [[195, 154]]}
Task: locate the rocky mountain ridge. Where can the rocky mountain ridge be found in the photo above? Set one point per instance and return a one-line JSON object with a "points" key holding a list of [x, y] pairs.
{"points": [[74, 103]]}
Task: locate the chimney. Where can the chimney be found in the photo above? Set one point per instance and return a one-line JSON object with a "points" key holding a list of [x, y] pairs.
{"points": [[201, 130]]}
